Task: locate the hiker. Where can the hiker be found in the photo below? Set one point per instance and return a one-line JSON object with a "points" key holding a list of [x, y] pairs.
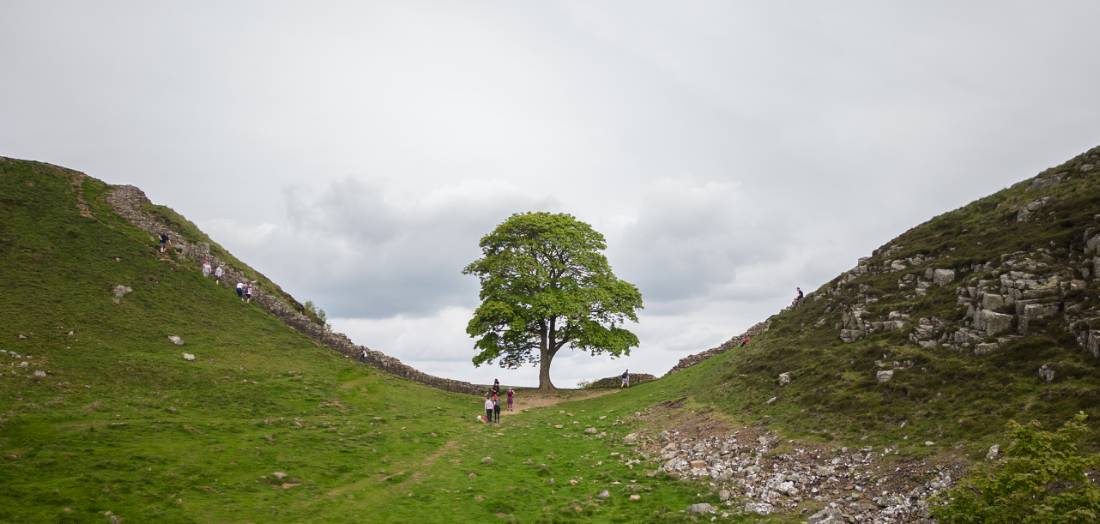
{"points": [[248, 293], [798, 299], [488, 408], [496, 386], [163, 241], [626, 379], [240, 290], [363, 356], [496, 408], [511, 394], [205, 268], [219, 273], [745, 340]]}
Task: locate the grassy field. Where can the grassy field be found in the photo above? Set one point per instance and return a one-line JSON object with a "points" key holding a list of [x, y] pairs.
{"points": [[263, 425]]}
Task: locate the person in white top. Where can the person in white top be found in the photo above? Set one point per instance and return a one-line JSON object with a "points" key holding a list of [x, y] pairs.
{"points": [[205, 268], [488, 408], [219, 273]]}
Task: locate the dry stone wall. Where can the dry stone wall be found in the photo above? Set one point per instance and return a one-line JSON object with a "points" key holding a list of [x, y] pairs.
{"points": [[734, 342], [130, 203]]}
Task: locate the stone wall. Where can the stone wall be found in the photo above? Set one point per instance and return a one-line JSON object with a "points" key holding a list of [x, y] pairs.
{"points": [[734, 342], [130, 203]]}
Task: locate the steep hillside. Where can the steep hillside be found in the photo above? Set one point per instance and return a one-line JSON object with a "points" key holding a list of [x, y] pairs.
{"points": [[987, 313], [103, 418]]}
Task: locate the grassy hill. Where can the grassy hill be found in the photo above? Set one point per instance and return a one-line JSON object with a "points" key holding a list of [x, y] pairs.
{"points": [[264, 424], [939, 335], [920, 353]]}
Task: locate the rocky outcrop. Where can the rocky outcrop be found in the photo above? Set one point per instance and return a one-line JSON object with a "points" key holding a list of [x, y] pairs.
{"points": [[131, 203]]}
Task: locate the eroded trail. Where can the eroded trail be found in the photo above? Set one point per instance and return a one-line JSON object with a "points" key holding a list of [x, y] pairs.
{"points": [[410, 474]]}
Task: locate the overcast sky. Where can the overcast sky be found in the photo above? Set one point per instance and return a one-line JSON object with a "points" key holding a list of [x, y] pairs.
{"points": [[355, 152]]}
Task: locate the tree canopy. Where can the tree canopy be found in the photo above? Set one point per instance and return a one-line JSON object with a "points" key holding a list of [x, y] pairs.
{"points": [[546, 284]]}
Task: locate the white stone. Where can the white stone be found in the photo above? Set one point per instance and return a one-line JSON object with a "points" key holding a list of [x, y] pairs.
{"points": [[784, 378], [188, 357], [175, 339], [884, 376], [701, 507]]}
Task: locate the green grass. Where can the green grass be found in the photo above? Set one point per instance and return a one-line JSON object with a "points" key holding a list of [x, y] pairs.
{"points": [[122, 423]]}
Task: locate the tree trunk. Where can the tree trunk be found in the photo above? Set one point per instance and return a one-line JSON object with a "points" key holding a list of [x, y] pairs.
{"points": [[546, 355], [545, 386]]}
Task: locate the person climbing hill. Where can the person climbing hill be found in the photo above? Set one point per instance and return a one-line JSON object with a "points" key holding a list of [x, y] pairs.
{"points": [[626, 379], [205, 268], [163, 241], [798, 299], [218, 274]]}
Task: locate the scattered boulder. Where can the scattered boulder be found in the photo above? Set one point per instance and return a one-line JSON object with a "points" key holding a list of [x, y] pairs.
{"points": [[488, 461], [784, 378], [635, 498], [188, 357], [604, 494], [1046, 372], [631, 439], [941, 277], [175, 339], [590, 431], [39, 374], [120, 291], [994, 452], [701, 507], [759, 508], [884, 376], [826, 516], [279, 475], [724, 495]]}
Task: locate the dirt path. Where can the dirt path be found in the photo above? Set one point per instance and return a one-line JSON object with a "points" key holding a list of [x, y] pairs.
{"points": [[526, 400]]}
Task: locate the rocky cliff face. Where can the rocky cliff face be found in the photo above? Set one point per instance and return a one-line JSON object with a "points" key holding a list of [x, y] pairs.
{"points": [[1020, 262], [132, 204]]}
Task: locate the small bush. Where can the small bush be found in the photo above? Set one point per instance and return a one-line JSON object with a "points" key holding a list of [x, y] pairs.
{"points": [[1042, 478]]}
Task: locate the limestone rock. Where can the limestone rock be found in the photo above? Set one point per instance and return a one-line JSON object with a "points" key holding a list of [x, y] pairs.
{"points": [[188, 357], [279, 475], [701, 507], [784, 378], [826, 516], [39, 374], [590, 431], [635, 498], [759, 508], [942, 277], [884, 376], [604, 494], [986, 348], [488, 461], [631, 439], [1046, 372], [724, 495], [175, 339], [992, 323], [120, 291], [994, 452]]}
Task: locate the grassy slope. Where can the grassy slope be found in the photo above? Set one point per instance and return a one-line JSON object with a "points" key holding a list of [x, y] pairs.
{"points": [[949, 398], [123, 424]]}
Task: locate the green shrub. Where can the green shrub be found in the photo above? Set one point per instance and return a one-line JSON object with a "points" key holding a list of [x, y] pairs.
{"points": [[1042, 478]]}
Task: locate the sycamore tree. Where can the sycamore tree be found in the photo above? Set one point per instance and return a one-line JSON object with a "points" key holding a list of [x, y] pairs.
{"points": [[545, 285]]}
